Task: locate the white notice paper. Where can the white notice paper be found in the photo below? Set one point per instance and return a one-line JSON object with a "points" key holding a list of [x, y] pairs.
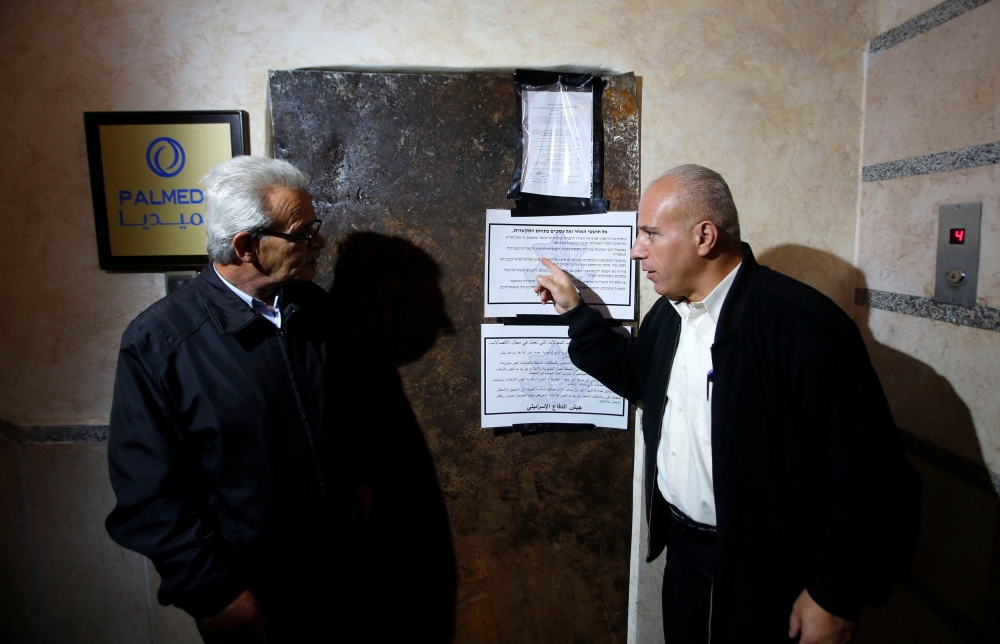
{"points": [[527, 377], [593, 249], [558, 143]]}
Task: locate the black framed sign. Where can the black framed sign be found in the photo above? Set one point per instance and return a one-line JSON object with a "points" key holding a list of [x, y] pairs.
{"points": [[145, 176]]}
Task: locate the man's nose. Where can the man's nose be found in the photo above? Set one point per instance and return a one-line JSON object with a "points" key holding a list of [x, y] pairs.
{"points": [[638, 250], [318, 242]]}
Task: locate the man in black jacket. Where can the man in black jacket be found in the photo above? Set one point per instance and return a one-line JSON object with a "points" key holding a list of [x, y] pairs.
{"points": [[773, 474], [216, 443]]}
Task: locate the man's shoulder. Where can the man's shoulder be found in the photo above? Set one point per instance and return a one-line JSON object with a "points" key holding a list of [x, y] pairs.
{"points": [[798, 302], [157, 331]]}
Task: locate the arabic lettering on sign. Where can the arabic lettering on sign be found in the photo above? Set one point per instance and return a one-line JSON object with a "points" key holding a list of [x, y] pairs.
{"points": [[536, 374], [153, 219], [527, 377]]}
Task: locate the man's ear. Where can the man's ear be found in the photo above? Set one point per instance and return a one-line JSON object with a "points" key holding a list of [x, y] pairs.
{"points": [[245, 248], [708, 237]]}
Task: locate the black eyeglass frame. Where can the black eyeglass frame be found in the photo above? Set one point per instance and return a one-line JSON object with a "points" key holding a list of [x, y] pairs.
{"points": [[316, 225]]}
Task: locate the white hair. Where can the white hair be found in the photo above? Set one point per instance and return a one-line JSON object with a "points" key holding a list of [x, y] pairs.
{"points": [[236, 199], [707, 196]]}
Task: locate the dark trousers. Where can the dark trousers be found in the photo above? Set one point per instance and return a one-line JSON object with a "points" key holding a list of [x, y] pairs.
{"points": [[687, 584]]}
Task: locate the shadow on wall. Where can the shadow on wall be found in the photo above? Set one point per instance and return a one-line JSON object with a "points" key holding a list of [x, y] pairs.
{"points": [[401, 558], [923, 402], [951, 595]]}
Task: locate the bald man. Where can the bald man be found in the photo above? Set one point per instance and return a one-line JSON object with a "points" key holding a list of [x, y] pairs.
{"points": [[774, 476]]}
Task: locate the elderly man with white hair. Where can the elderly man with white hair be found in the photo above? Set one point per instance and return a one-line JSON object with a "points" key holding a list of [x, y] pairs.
{"points": [[217, 448]]}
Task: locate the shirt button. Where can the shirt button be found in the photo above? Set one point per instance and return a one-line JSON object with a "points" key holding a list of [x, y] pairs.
{"points": [[681, 409], [673, 495], [673, 453], [685, 367]]}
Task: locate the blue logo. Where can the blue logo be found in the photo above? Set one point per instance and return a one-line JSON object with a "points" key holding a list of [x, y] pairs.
{"points": [[155, 157]]}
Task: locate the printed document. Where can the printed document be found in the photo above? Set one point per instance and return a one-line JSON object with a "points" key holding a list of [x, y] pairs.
{"points": [[527, 377], [558, 146], [593, 249]]}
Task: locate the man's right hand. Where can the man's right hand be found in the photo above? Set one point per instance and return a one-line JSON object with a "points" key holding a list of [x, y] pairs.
{"points": [[557, 288], [240, 622]]}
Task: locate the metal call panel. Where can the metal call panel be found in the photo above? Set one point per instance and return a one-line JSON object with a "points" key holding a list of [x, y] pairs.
{"points": [[958, 253]]}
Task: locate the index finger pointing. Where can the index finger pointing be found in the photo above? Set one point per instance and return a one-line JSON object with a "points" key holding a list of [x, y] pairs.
{"points": [[549, 264]]}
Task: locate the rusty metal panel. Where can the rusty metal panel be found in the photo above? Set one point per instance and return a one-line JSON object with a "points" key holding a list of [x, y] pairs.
{"points": [[620, 111], [540, 524]]}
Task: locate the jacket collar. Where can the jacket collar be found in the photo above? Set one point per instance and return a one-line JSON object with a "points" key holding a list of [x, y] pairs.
{"points": [[739, 296], [228, 311]]}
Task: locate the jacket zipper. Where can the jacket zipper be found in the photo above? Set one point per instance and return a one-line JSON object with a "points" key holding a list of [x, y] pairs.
{"points": [[711, 590], [711, 596], [656, 465], [321, 483]]}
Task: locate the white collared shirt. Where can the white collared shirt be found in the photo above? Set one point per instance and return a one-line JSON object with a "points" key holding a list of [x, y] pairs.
{"points": [[274, 317], [684, 457]]}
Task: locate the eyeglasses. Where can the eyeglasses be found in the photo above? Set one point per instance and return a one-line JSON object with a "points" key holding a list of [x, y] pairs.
{"points": [[307, 238]]}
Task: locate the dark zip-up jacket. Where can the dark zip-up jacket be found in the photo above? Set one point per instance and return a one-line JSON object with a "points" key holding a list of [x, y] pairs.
{"points": [[811, 487], [216, 442]]}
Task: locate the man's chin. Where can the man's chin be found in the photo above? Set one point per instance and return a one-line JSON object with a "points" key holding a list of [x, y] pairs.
{"points": [[661, 289], [657, 285], [305, 273]]}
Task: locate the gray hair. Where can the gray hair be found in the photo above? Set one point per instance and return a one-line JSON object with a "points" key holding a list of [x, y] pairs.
{"points": [[707, 196], [236, 199]]}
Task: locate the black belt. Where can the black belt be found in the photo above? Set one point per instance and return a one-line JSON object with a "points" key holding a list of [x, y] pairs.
{"points": [[687, 525]]}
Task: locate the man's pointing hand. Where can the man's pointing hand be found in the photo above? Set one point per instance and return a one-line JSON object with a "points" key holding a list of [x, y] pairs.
{"points": [[557, 288]]}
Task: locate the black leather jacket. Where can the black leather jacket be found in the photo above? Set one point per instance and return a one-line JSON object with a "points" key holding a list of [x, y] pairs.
{"points": [[217, 442]]}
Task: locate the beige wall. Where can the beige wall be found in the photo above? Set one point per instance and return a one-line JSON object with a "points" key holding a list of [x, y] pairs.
{"points": [[892, 13], [768, 93], [935, 92]]}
